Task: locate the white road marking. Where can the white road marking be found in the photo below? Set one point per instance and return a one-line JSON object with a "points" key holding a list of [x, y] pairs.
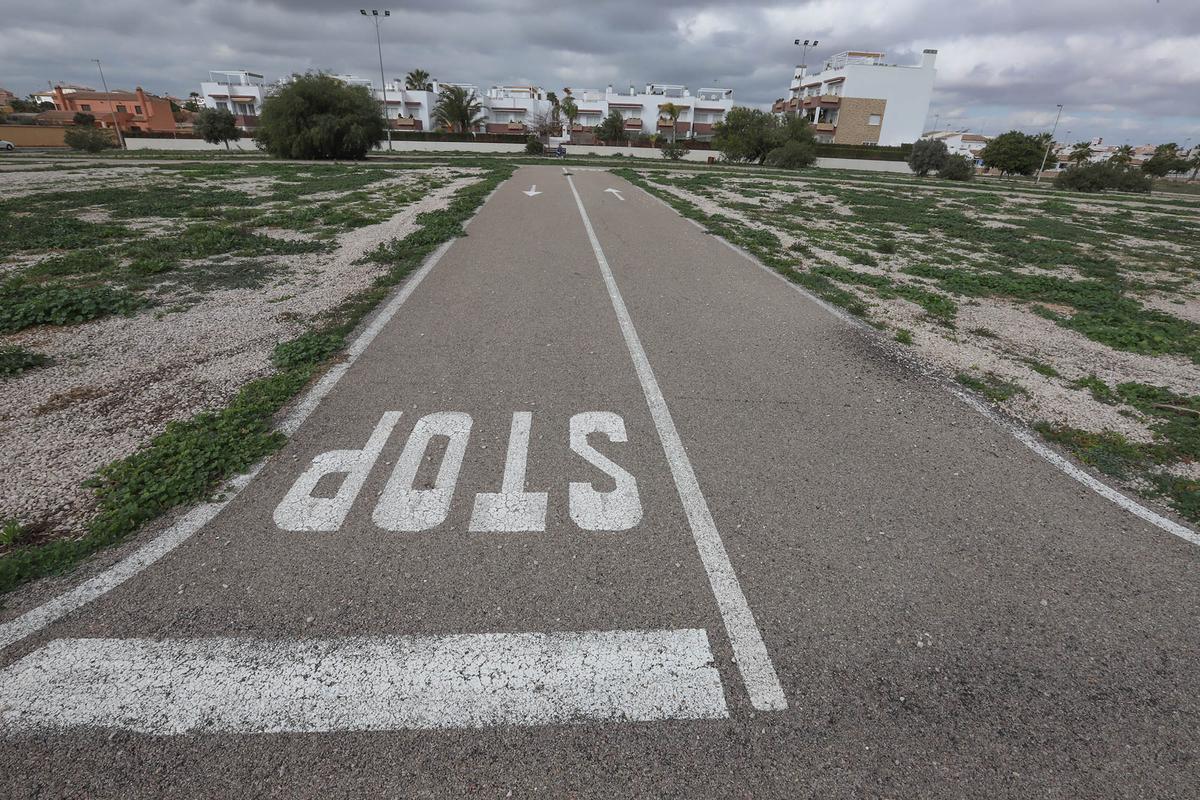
{"points": [[618, 510], [182, 529], [512, 509], [402, 507], [300, 511], [1017, 431], [531, 191], [617, 192], [219, 685], [758, 673]]}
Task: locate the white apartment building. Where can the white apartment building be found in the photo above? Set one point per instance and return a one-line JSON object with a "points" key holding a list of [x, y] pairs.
{"points": [[237, 91], [857, 98], [510, 108], [413, 109], [643, 111]]}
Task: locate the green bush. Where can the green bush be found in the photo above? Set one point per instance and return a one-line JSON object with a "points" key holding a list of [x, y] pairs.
{"points": [[957, 168], [14, 360], [217, 126], [1101, 177], [928, 155], [534, 146], [792, 155], [87, 139], [673, 151], [318, 116], [23, 305], [751, 135]]}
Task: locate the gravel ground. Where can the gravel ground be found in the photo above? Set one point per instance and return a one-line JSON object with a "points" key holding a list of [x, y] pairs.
{"points": [[116, 382]]}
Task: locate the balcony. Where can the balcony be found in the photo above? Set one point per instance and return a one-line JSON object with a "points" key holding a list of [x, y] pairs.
{"points": [[516, 127], [826, 127], [779, 106], [830, 99], [633, 123], [246, 120]]}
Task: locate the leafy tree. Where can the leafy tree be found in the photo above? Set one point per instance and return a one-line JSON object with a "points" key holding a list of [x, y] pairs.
{"points": [[318, 116], [957, 168], [1123, 156], [1014, 153], [928, 155], [1194, 162], [746, 135], [458, 109], [193, 102], [569, 109], [216, 126], [1166, 159], [612, 128], [793, 154], [88, 139], [25, 105], [83, 118], [534, 146], [1081, 153], [1102, 177], [417, 80], [672, 112]]}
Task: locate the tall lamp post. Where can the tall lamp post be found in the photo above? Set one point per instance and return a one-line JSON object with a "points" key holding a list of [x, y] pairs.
{"points": [[804, 52], [387, 123], [111, 107], [1049, 144]]}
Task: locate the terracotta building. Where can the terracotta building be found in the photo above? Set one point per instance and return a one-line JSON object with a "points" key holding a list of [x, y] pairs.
{"points": [[133, 111]]}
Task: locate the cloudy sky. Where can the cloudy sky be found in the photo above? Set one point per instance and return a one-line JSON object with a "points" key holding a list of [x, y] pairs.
{"points": [[1127, 71]]}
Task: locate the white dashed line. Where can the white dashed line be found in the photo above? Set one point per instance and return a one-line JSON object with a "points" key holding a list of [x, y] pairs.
{"points": [[750, 653]]}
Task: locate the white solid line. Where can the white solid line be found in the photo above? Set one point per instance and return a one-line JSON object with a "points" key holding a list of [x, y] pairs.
{"points": [[220, 685], [749, 651], [1017, 431], [37, 618]]}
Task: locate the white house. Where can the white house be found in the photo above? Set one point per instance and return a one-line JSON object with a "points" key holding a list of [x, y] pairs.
{"points": [[413, 109], [237, 91], [961, 143], [857, 98], [643, 111]]}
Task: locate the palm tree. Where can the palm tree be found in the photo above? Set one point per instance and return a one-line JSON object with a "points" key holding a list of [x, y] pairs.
{"points": [[1123, 157], [1080, 154], [569, 109], [672, 112], [555, 105], [417, 80], [458, 110]]}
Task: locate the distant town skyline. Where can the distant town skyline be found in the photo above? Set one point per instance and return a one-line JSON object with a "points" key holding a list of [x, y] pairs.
{"points": [[1122, 73]]}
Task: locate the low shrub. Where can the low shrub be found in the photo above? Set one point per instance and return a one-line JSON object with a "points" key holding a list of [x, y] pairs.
{"points": [[89, 140], [1102, 177], [23, 305], [957, 168], [534, 146], [14, 360], [792, 155], [673, 151]]}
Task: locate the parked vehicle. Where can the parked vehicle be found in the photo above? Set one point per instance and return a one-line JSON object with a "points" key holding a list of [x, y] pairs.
{"points": [[7, 145]]}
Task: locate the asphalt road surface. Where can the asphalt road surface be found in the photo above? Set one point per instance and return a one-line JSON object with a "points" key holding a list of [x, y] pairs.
{"points": [[606, 510]]}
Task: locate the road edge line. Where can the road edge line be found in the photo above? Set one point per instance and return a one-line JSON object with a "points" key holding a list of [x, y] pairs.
{"points": [[38, 617], [749, 651], [1018, 431]]}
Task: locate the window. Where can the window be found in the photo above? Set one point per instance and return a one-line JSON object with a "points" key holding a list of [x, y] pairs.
{"points": [[137, 109], [222, 105], [874, 119], [85, 107], [120, 109]]}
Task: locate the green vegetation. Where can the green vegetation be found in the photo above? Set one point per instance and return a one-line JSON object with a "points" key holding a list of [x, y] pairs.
{"points": [[216, 126], [317, 116], [23, 305], [904, 336], [957, 168], [927, 155], [15, 359], [88, 139], [458, 110], [1015, 153], [991, 386], [191, 458], [1102, 177], [753, 136]]}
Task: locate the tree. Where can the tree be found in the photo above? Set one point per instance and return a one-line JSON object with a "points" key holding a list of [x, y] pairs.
{"points": [[193, 102], [1014, 153], [746, 134], [928, 155], [793, 154], [1123, 156], [458, 109], [88, 139], [83, 118], [318, 116], [957, 168], [672, 112], [417, 80], [216, 126], [1101, 177], [543, 126], [1194, 163], [612, 129], [555, 108], [1166, 159], [26, 105], [569, 109], [1081, 153]]}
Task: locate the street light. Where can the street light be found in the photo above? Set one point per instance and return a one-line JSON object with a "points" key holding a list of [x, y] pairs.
{"points": [[1049, 144], [804, 52], [382, 80], [112, 108]]}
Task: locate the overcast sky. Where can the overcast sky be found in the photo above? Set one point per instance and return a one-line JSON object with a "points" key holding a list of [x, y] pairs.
{"points": [[1127, 71]]}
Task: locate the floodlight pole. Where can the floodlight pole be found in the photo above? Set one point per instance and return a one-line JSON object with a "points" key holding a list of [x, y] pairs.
{"points": [[804, 45], [387, 123], [1049, 145], [112, 108]]}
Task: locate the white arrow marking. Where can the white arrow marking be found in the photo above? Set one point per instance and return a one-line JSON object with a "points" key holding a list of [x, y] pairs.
{"points": [[617, 192], [532, 191]]}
